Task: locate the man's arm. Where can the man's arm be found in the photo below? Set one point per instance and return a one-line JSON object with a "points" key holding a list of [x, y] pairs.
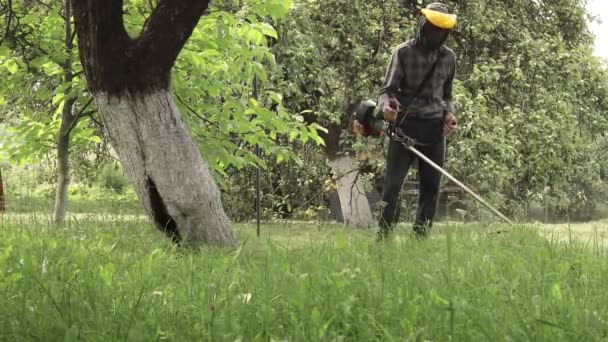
{"points": [[392, 80], [448, 105], [449, 120]]}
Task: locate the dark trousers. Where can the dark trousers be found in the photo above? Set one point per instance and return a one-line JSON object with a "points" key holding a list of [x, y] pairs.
{"points": [[399, 160]]}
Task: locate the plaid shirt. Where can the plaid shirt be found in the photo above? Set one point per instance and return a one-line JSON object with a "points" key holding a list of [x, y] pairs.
{"points": [[409, 65]]}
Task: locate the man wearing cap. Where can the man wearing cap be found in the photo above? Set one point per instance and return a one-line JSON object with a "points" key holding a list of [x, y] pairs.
{"points": [[417, 97]]}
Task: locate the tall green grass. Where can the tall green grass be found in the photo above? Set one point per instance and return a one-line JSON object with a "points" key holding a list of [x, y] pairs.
{"points": [[116, 205], [100, 280]]}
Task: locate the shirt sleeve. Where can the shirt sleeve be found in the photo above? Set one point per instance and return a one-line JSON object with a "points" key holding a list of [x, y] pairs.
{"points": [[392, 80], [448, 104]]}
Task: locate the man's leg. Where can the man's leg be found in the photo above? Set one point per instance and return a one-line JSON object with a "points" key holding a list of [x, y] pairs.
{"points": [[430, 182], [398, 162]]}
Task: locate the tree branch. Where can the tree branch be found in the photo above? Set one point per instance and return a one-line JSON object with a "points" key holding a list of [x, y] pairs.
{"points": [[106, 15], [47, 6], [8, 21], [193, 112], [90, 115], [167, 30], [81, 114], [101, 37]]}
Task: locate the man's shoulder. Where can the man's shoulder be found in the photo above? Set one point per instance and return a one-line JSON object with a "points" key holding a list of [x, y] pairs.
{"points": [[448, 52], [405, 46], [411, 44]]}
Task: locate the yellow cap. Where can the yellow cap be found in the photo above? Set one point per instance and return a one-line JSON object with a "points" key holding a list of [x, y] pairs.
{"points": [[442, 20]]}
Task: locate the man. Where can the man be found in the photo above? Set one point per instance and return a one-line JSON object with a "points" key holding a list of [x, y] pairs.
{"points": [[417, 97]]}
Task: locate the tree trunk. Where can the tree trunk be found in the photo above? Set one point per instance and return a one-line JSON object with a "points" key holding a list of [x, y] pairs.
{"points": [[355, 207], [61, 192], [354, 204], [2, 205], [68, 121], [165, 166], [129, 79]]}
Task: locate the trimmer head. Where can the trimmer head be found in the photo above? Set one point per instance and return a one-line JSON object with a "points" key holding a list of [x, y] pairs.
{"points": [[367, 114]]}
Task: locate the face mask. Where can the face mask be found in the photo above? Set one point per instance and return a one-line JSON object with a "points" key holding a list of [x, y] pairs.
{"points": [[433, 37]]}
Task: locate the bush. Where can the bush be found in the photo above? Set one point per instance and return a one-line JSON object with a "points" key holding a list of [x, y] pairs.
{"points": [[290, 190], [112, 178]]}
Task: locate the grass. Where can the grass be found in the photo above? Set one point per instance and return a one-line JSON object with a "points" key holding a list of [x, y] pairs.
{"points": [[102, 279], [114, 205]]}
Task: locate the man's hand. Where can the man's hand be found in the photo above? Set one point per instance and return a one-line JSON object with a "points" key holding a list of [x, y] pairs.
{"points": [[449, 124], [390, 109]]}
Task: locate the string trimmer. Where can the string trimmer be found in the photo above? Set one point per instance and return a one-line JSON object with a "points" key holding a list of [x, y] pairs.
{"points": [[367, 115]]}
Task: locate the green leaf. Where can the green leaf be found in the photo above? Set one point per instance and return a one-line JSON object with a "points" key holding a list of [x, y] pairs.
{"points": [[318, 127], [62, 88], [315, 136], [4, 52], [254, 36], [94, 139], [268, 30], [11, 66], [293, 135], [58, 98], [276, 97], [211, 53]]}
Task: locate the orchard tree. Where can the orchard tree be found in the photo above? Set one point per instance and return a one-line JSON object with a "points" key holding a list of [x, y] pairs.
{"points": [[533, 101], [46, 106], [69, 119], [213, 81], [129, 78]]}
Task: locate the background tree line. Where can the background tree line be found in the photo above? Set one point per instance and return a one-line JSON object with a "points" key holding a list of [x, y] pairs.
{"points": [[532, 100]]}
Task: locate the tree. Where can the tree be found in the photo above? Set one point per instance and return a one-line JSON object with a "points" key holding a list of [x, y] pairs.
{"points": [[69, 120], [533, 102], [43, 90], [129, 79], [213, 79]]}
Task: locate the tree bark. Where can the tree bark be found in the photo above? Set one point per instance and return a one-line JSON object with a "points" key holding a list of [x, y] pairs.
{"points": [[67, 122], [129, 79], [355, 208], [354, 205], [63, 177]]}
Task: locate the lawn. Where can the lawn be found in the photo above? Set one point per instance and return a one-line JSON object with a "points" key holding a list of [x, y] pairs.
{"points": [[108, 277]]}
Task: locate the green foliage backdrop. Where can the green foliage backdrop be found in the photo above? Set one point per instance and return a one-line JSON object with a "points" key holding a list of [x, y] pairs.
{"points": [[532, 97]]}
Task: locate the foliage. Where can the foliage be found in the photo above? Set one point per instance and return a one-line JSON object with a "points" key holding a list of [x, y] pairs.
{"points": [[213, 84], [31, 189], [33, 93], [112, 178], [533, 102], [102, 279], [532, 97], [332, 54], [289, 190]]}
